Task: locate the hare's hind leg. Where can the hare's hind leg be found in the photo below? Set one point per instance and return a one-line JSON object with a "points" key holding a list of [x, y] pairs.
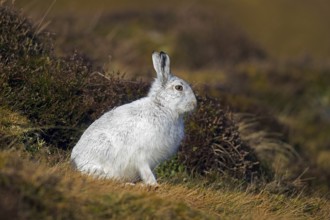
{"points": [[147, 176]]}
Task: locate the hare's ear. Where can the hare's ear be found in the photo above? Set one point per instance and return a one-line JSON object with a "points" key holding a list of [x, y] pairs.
{"points": [[161, 63]]}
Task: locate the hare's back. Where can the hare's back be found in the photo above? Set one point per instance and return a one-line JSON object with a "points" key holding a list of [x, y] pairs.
{"points": [[122, 122]]}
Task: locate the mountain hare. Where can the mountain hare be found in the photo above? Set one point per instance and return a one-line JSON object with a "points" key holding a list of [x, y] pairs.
{"points": [[129, 141]]}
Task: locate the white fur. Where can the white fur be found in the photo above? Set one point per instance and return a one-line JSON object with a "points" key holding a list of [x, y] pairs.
{"points": [[128, 142]]}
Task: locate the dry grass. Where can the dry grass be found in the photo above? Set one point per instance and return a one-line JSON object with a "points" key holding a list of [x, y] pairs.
{"points": [[34, 189]]}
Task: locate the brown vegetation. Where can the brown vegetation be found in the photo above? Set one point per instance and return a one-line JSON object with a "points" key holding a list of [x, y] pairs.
{"points": [[237, 160]]}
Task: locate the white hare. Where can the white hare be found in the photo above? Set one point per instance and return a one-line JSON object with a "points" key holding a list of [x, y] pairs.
{"points": [[129, 141]]}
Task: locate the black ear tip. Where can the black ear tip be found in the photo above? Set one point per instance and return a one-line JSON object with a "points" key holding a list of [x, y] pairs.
{"points": [[162, 53]]}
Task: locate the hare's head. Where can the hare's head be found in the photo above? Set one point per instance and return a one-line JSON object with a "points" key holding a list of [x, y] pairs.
{"points": [[169, 90]]}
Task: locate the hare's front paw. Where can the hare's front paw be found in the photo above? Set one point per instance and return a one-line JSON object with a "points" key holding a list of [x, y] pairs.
{"points": [[147, 176], [129, 184]]}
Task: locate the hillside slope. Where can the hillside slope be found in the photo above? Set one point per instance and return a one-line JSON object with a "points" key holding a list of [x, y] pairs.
{"points": [[46, 101]]}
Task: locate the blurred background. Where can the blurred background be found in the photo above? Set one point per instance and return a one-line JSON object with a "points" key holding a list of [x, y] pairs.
{"points": [[226, 31], [268, 59]]}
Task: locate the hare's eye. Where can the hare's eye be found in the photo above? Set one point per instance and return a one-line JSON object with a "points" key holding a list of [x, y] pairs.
{"points": [[178, 87]]}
